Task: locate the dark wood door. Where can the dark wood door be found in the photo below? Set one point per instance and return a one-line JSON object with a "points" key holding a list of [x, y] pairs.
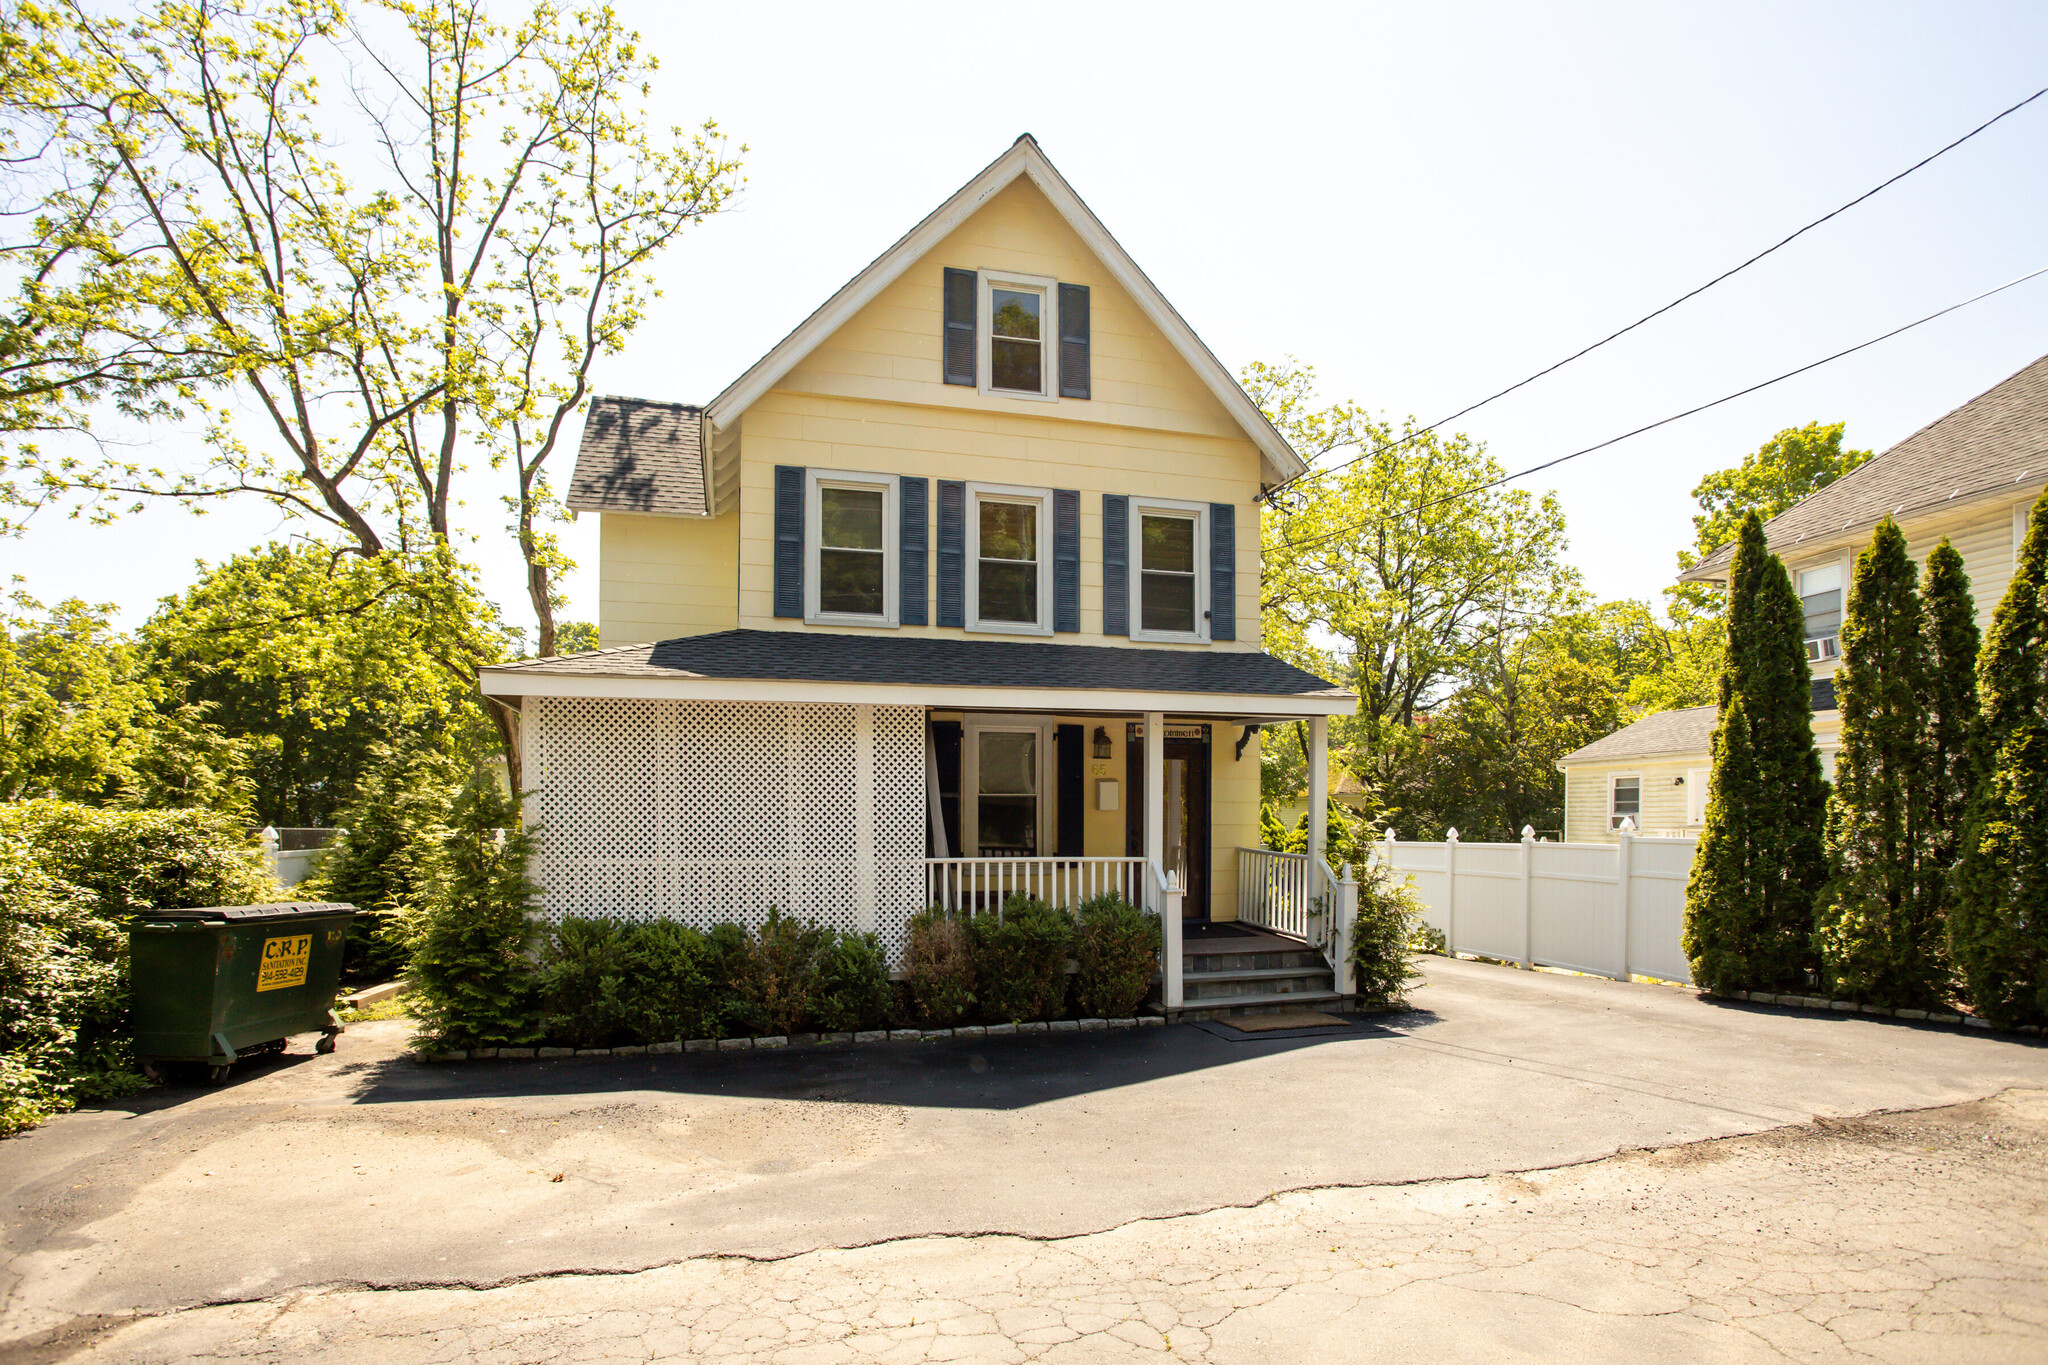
{"points": [[1187, 757]]}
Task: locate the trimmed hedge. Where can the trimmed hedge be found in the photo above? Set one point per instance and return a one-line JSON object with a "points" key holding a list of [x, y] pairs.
{"points": [[1116, 950]]}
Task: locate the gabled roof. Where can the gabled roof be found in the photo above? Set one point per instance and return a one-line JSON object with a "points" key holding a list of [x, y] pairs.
{"points": [[1674, 734], [1995, 442], [1022, 159], [638, 455]]}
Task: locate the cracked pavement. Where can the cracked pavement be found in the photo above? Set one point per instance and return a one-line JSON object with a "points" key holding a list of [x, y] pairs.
{"points": [[1086, 1197]]}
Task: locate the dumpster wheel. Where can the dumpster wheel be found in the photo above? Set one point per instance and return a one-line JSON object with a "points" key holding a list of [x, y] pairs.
{"points": [[326, 1043], [218, 1072]]}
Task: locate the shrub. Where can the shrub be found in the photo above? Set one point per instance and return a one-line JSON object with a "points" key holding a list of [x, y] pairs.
{"points": [[69, 877], [940, 969], [851, 989], [1020, 960], [396, 817], [1383, 938], [604, 982], [473, 981], [782, 960], [1116, 948]]}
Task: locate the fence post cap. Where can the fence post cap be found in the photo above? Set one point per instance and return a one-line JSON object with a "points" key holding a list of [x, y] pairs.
{"points": [[1528, 833], [1390, 834], [1628, 824], [1450, 836], [268, 834]]}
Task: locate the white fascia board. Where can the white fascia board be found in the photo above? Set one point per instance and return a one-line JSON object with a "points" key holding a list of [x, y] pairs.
{"points": [[1023, 158], [1047, 699]]}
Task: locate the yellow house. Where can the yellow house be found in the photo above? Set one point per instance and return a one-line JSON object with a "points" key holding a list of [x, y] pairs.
{"points": [[1971, 476], [953, 594]]}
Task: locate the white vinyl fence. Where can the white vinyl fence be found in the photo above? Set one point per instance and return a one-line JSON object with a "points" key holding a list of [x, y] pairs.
{"points": [[1609, 909]]}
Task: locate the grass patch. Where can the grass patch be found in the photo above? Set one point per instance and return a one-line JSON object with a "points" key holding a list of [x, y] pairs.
{"points": [[391, 1007]]}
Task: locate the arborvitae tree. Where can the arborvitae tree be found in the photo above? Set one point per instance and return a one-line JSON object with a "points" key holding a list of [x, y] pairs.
{"points": [[1953, 643], [475, 984], [1998, 927], [1749, 910], [1878, 925]]}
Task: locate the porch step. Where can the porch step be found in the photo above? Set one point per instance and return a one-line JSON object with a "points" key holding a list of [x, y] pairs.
{"points": [[1277, 981], [1296, 959], [1227, 1006]]}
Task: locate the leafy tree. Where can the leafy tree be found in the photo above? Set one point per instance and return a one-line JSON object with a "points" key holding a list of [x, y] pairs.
{"points": [[474, 985], [1793, 465], [1951, 705], [363, 297], [1878, 926], [383, 860], [319, 662], [1760, 862], [1396, 570], [1998, 926]]}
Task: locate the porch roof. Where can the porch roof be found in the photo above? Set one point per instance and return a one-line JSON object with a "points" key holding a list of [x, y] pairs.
{"points": [[821, 666]]}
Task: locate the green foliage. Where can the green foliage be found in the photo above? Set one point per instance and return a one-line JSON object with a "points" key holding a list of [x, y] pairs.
{"points": [[778, 970], [850, 989], [1272, 833], [1998, 925], [470, 972], [1760, 862], [1116, 949], [1384, 938], [321, 664], [1020, 960], [577, 637], [70, 876], [607, 982], [940, 969], [1878, 925], [1953, 645], [1795, 464], [381, 862]]}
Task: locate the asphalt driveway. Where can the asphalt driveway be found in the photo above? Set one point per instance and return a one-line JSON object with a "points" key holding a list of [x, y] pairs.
{"points": [[366, 1168]]}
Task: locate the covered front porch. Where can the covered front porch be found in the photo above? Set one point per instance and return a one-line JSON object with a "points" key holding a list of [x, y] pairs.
{"points": [[664, 792]]}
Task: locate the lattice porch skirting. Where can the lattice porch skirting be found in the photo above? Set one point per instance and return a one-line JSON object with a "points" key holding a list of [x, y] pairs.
{"points": [[709, 811]]}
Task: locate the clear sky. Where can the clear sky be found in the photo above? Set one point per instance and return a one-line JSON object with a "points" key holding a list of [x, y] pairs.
{"points": [[1425, 202]]}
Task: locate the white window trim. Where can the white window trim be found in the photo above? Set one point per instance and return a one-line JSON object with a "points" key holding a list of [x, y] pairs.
{"points": [[1833, 643], [999, 492], [971, 728], [1136, 530], [1614, 781], [814, 544], [2020, 513], [1048, 334]]}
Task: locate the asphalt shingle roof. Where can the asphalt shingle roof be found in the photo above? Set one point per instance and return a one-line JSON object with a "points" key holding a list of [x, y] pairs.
{"points": [[1686, 731], [823, 656], [1994, 441], [638, 455]]}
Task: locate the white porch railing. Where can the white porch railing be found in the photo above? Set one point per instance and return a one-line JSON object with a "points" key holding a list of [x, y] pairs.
{"points": [[1292, 893], [1163, 895], [984, 884]]}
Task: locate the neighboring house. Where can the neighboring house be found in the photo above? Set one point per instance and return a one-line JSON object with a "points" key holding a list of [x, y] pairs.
{"points": [[954, 593], [1971, 476]]}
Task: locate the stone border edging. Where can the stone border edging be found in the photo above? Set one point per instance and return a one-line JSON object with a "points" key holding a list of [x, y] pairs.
{"points": [[776, 1042], [1829, 1005]]}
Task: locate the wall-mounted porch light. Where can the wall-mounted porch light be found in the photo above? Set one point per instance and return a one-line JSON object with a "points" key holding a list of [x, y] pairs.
{"points": [[1102, 743]]}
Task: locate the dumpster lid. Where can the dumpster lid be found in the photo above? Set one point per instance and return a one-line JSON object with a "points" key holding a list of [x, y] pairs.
{"points": [[244, 913]]}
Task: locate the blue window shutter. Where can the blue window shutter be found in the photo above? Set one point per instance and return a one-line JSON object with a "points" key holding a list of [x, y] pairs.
{"points": [[1116, 564], [912, 532], [952, 552], [1222, 571], [789, 540], [1074, 379], [962, 302], [1066, 560]]}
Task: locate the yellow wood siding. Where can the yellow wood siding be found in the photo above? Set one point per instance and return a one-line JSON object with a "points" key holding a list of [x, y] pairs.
{"points": [[661, 577]]}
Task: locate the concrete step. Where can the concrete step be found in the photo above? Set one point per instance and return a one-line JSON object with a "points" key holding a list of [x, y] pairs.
{"points": [[1227, 1006], [1283, 981], [1209, 963]]}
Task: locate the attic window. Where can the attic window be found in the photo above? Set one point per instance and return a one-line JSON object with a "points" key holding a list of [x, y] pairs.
{"points": [[1020, 319]]}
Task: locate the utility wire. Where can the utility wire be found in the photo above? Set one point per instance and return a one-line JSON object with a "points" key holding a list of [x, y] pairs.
{"points": [[1662, 422], [1647, 317]]}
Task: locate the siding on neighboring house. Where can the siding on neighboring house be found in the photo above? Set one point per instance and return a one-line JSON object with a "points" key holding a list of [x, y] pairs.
{"points": [[871, 399], [662, 577]]}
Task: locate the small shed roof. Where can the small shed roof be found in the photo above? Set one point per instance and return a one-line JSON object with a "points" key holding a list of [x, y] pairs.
{"points": [[1689, 730]]}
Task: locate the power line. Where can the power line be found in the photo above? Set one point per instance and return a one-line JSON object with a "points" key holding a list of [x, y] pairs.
{"points": [[1662, 422], [1647, 317]]}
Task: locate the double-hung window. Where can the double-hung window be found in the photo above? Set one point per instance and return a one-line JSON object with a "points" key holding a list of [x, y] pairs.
{"points": [[850, 531], [1020, 322], [1170, 582], [1625, 802], [1009, 768], [1009, 559], [1820, 592]]}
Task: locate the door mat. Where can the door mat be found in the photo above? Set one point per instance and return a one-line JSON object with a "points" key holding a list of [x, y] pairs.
{"points": [[1301, 1023]]}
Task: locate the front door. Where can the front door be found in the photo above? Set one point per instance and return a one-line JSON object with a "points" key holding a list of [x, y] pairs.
{"points": [[1184, 807]]}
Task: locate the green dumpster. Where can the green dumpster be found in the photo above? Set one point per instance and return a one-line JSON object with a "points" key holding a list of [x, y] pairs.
{"points": [[219, 982]]}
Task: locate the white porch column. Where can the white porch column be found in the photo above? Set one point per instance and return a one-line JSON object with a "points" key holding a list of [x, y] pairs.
{"points": [[1318, 789], [1155, 788], [864, 881]]}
